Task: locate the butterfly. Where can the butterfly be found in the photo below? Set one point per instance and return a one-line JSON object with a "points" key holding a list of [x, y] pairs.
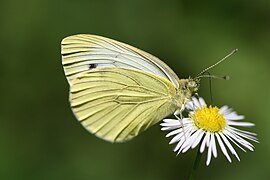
{"points": [[118, 91]]}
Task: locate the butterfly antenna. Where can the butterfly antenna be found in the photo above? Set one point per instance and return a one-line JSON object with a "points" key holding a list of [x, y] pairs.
{"points": [[223, 59]]}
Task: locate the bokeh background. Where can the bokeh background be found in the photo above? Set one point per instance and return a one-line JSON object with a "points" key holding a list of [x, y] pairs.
{"points": [[40, 137]]}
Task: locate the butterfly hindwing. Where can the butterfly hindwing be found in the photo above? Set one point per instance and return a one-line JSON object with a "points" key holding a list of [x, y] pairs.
{"points": [[116, 104]]}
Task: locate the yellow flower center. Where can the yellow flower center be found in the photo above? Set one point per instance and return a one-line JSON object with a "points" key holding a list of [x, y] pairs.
{"points": [[209, 119]]}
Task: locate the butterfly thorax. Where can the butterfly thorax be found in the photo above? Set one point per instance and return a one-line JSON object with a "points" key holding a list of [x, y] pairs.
{"points": [[187, 87]]}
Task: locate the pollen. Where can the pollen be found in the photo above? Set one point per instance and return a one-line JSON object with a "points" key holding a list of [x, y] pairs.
{"points": [[209, 119]]}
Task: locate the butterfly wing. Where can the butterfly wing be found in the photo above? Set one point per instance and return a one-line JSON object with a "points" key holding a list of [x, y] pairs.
{"points": [[117, 104], [81, 53]]}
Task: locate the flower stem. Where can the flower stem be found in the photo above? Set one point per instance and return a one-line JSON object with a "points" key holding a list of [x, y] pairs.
{"points": [[195, 165]]}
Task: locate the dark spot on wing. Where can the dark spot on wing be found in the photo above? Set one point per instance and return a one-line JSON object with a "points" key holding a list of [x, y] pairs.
{"points": [[92, 66]]}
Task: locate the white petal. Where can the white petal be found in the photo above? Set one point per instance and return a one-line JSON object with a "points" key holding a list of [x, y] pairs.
{"points": [[213, 142], [198, 139], [233, 116], [232, 139], [177, 131], [170, 124], [189, 105], [228, 111], [179, 145], [204, 142], [209, 154], [171, 121], [187, 137], [223, 148], [169, 128], [190, 140], [238, 137], [202, 102], [195, 102], [245, 134], [187, 147], [223, 109], [229, 146], [166, 128], [181, 135], [232, 136], [176, 138], [208, 141], [242, 131], [243, 124]]}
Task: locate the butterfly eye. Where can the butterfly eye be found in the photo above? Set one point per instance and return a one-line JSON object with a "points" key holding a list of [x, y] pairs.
{"points": [[185, 86], [192, 85]]}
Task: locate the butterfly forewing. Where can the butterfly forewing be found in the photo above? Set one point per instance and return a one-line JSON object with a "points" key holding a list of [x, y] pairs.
{"points": [[81, 53], [117, 104]]}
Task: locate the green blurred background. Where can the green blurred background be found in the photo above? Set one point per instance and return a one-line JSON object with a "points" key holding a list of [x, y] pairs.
{"points": [[40, 137]]}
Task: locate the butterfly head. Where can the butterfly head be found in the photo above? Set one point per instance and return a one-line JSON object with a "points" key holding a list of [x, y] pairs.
{"points": [[189, 86]]}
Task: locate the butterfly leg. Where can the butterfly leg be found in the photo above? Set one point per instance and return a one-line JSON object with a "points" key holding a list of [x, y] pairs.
{"points": [[179, 112]]}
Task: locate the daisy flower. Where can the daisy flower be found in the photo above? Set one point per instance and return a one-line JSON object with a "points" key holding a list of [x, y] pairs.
{"points": [[209, 126]]}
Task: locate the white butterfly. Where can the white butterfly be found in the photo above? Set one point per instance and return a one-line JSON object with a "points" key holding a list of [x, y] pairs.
{"points": [[118, 91]]}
